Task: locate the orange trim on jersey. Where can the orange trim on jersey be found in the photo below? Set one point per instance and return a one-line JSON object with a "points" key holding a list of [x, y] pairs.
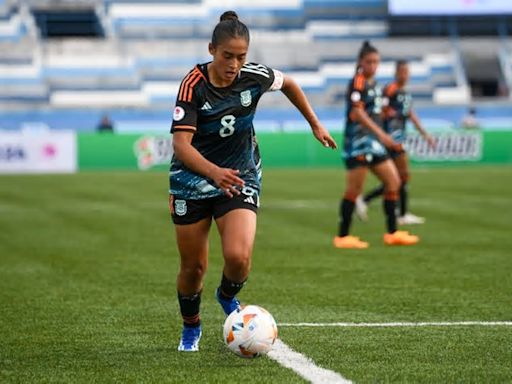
{"points": [[191, 88], [359, 81], [188, 84], [391, 89], [187, 91], [200, 73], [187, 96], [183, 82], [184, 128]]}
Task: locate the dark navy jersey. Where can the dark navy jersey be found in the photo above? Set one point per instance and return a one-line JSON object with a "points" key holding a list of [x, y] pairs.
{"points": [[221, 121], [398, 103], [359, 140]]}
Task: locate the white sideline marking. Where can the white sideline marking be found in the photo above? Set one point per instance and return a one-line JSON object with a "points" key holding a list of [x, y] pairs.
{"points": [[307, 369], [422, 324], [304, 366]]}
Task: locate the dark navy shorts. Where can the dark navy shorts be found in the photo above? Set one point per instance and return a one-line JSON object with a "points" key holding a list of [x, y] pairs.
{"points": [[394, 154], [368, 160], [191, 211]]}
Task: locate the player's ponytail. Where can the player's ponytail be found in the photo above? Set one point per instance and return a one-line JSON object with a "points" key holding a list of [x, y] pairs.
{"points": [[229, 27], [365, 49]]}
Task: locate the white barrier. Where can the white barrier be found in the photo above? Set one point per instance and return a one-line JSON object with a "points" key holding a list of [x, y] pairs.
{"points": [[38, 152]]}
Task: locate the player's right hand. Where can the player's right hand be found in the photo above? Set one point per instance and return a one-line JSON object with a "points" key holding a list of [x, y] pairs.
{"points": [[389, 143], [227, 179]]}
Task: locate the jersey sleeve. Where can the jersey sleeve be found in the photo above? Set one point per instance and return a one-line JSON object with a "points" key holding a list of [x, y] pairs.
{"points": [[390, 90], [357, 91], [185, 112], [388, 94], [278, 82], [184, 117], [269, 79]]}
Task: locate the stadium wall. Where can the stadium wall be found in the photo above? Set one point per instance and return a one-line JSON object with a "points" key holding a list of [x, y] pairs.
{"points": [[153, 152], [68, 152]]}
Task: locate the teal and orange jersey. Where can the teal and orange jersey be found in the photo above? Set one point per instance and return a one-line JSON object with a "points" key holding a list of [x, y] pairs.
{"points": [[397, 110], [359, 140]]}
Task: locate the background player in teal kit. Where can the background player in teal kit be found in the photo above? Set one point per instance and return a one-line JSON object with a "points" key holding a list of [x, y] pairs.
{"points": [[215, 172], [397, 111], [364, 149]]}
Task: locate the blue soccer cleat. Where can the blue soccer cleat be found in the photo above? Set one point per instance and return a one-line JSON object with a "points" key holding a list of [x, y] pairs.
{"points": [[190, 337], [227, 305]]}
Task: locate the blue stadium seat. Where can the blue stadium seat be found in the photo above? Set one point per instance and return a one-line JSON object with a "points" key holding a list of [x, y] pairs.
{"points": [[154, 43]]}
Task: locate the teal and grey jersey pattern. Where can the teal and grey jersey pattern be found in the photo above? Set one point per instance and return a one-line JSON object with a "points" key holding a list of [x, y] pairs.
{"points": [[359, 140], [398, 104]]}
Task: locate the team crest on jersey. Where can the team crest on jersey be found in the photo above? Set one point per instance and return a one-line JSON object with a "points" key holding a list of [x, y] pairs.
{"points": [[246, 98], [180, 207]]}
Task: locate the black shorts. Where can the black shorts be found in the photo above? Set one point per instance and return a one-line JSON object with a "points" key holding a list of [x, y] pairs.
{"points": [[367, 160], [191, 211], [394, 154]]}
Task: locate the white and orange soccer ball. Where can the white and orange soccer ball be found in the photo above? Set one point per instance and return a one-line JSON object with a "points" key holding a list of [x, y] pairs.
{"points": [[250, 331]]}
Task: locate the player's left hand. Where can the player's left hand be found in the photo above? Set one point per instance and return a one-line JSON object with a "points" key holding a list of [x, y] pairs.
{"points": [[323, 136]]}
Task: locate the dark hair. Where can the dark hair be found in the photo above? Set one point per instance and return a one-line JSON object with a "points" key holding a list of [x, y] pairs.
{"points": [[229, 27], [228, 15], [365, 49], [399, 63]]}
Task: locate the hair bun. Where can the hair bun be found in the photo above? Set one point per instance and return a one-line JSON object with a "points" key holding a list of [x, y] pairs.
{"points": [[366, 43], [229, 15]]}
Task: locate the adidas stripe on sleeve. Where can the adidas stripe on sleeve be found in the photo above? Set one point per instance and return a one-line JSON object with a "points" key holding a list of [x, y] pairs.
{"points": [[270, 79]]}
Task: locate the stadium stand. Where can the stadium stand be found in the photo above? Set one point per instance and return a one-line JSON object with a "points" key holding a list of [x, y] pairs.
{"points": [[136, 53]]}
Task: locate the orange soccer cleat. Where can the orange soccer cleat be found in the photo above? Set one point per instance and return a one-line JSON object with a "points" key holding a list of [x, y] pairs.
{"points": [[400, 238], [349, 242]]}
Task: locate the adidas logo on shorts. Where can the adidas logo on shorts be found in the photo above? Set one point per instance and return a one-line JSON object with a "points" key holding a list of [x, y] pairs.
{"points": [[250, 200]]}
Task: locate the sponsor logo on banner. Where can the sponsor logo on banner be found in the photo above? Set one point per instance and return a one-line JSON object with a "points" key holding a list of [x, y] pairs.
{"points": [[41, 152], [451, 147], [10, 152], [152, 151]]}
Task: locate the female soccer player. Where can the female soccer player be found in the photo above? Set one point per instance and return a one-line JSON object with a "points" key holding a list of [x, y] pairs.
{"points": [[397, 110], [365, 148], [216, 169]]}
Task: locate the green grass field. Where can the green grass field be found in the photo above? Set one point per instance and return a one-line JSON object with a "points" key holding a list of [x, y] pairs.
{"points": [[88, 264]]}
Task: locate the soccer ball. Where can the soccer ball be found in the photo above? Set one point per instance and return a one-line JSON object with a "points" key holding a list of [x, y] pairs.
{"points": [[250, 331]]}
